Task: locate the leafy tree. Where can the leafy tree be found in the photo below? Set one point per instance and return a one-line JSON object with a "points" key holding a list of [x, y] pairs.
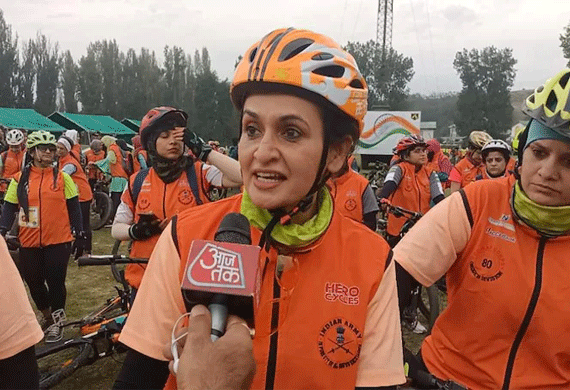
{"points": [[484, 101], [110, 68], [89, 81], [27, 76], [387, 77], [565, 43], [69, 83], [174, 75], [8, 64], [47, 65]]}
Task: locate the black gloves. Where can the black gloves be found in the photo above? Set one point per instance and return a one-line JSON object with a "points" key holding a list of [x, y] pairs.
{"points": [[79, 245], [199, 148], [145, 228]]}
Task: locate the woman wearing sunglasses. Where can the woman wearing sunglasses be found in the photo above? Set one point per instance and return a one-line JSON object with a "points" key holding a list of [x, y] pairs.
{"points": [[504, 246], [327, 315], [48, 206]]}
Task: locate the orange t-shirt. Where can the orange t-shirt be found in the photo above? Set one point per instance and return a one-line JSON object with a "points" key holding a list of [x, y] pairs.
{"points": [[20, 329]]}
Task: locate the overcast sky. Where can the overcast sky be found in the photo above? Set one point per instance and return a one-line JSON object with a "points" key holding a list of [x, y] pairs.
{"points": [[429, 31]]}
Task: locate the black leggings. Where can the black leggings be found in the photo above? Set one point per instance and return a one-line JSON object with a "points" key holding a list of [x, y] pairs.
{"points": [[85, 216], [20, 371], [116, 198], [47, 265]]}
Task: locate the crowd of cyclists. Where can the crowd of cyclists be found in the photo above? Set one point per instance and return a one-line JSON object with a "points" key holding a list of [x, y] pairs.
{"points": [[332, 290]]}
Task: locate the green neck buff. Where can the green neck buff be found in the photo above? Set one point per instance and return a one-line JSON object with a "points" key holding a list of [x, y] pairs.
{"points": [[292, 235], [548, 220]]}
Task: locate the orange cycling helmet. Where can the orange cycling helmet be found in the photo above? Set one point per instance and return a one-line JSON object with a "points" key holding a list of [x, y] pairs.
{"points": [[409, 142], [306, 60], [155, 119]]}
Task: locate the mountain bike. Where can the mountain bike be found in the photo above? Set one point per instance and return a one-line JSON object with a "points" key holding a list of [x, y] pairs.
{"points": [[99, 330], [426, 299]]}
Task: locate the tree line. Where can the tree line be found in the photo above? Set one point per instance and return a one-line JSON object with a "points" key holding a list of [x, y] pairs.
{"points": [[108, 81]]}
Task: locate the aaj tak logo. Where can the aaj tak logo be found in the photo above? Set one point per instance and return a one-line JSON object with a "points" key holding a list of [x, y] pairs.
{"points": [[216, 266]]}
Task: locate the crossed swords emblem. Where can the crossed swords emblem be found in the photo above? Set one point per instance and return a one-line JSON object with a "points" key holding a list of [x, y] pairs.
{"points": [[340, 342]]}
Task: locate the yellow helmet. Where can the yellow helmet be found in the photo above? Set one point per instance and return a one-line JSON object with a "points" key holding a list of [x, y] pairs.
{"points": [[549, 104], [40, 137], [516, 139], [478, 139]]}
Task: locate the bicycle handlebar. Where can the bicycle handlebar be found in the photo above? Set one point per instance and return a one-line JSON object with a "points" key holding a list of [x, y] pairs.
{"points": [[108, 260]]}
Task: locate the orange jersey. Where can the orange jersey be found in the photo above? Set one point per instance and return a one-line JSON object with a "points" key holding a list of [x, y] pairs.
{"points": [[48, 219], [92, 157], [505, 283], [118, 167], [12, 163], [467, 171], [347, 192], [79, 177], [136, 162], [164, 201], [413, 193], [339, 327]]}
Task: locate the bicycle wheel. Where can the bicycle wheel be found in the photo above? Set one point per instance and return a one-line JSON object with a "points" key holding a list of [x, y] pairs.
{"points": [[101, 208], [429, 305], [58, 362]]}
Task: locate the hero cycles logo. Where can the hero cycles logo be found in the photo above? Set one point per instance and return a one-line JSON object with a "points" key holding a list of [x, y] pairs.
{"points": [[335, 291]]}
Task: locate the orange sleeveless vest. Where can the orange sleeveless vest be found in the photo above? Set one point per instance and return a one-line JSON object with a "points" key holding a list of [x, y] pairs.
{"points": [[91, 156], [413, 193], [468, 171], [506, 273], [164, 201], [347, 192], [117, 169], [322, 321], [52, 225], [136, 163], [79, 178]]}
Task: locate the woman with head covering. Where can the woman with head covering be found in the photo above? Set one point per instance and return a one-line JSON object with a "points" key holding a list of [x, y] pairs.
{"points": [[326, 309], [68, 164], [504, 246], [467, 169], [119, 170], [175, 182]]}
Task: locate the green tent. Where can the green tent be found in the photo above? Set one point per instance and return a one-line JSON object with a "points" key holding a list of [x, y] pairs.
{"points": [[92, 123], [132, 124], [27, 119]]}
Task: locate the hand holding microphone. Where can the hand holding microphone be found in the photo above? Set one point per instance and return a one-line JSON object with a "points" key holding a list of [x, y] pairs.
{"points": [[225, 364]]}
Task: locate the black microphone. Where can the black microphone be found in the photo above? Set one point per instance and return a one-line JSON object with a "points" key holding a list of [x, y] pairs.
{"points": [[223, 274]]}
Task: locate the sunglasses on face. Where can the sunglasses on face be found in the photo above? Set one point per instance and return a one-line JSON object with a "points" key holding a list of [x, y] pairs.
{"points": [[46, 148]]}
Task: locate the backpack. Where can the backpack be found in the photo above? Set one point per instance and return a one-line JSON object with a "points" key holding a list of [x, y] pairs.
{"points": [[142, 174]]}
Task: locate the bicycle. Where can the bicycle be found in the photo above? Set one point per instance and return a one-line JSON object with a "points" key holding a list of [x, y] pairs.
{"points": [[429, 307], [101, 205], [99, 329]]}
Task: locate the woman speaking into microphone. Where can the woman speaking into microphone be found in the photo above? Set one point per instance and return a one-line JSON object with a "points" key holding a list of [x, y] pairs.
{"points": [[327, 315]]}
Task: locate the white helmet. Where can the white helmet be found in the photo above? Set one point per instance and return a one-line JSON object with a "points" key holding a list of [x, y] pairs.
{"points": [[496, 145], [15, 137]]}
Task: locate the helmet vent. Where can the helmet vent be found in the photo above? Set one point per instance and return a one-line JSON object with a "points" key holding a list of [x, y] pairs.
{"points": [[293, 48], [357, 84], [539, 89], [252, 54], [551, 101], [564, 80], [334, 71], [322, 56]]}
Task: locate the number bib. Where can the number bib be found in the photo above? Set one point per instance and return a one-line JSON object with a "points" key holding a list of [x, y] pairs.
{"points": [[33, 219]]}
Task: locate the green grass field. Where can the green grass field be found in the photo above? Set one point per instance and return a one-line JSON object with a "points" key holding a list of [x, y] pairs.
{"points": [[88, 288]]}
